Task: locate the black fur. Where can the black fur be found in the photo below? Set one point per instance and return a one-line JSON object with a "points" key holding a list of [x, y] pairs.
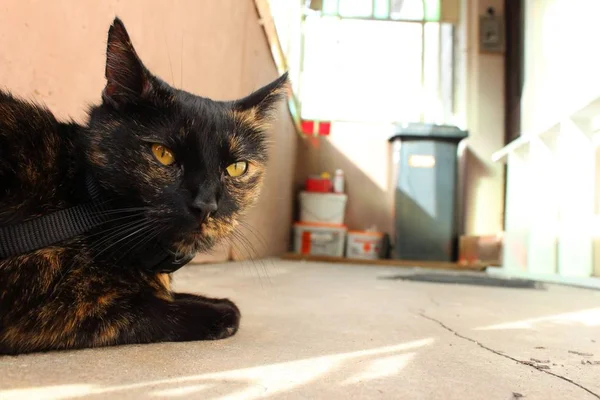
{"points": [[91, 290]]}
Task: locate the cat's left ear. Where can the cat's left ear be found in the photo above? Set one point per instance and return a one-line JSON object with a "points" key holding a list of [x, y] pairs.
{"points": [[127, 80], [258, 107]]}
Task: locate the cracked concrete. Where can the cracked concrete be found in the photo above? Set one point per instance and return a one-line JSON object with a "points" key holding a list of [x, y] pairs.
{"points": [[336, 331], [540, 365]]}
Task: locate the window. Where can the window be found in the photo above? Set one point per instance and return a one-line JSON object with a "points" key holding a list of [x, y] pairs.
{"points": [[376, 61], [415, 10]]}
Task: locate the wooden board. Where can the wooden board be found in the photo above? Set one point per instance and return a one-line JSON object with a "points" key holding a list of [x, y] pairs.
{"points": [[387, 263]]}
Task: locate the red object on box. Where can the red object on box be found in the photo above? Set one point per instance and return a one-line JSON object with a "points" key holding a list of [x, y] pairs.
{"points": [[324, 128], [305, 242], [318, 184], [316, 128], [307, 126]]}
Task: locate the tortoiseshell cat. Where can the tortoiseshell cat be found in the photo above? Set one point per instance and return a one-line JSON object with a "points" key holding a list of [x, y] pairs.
{"points": [[173, 170]]}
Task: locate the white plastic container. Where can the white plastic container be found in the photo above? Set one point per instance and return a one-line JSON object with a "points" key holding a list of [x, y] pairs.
{"points": [[327, 208], [338, 181], [364, 245], [319, 239]]}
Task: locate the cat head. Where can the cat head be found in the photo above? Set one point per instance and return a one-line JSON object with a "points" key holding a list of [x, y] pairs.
{"points": [[189, 164]]}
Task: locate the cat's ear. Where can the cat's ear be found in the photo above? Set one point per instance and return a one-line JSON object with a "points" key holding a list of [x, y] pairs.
{"points": [[258, 107], [127, 79]]}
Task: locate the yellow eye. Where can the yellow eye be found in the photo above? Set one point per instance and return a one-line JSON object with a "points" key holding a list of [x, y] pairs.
{"points": [[237, 169], [162, 154]]}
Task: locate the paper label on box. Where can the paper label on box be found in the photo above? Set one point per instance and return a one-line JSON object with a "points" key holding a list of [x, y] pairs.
{"points": [[421, 161]]}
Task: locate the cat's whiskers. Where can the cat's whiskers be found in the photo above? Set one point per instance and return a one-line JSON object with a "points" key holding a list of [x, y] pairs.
{"points": [[251, 252], [113, 232], [121, 210], [65, 271], [155, 233], [140, 241], [112, 228], [127, 241], [261, 239], [116, 234], [105, 233], [144, 225], [250, 262]]}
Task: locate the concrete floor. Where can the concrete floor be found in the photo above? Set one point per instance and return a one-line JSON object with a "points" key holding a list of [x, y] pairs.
{"points": [[338, 332]]}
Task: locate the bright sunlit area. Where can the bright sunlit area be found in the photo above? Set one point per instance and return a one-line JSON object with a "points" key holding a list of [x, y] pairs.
{"points": [[299, 199]]}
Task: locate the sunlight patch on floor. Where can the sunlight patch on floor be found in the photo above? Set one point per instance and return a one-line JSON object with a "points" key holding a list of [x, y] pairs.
{"points": [[249, 383], [48, 392], [589, 317], [382, 368], [181, 391]]}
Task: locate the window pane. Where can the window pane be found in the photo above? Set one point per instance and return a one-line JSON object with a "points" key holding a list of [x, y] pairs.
{"points": [[357, 70], [356, 8], [434, 112], [411, 10], [330, 7], [446, 66], [288, 23], [382, 9], [432, 10]]}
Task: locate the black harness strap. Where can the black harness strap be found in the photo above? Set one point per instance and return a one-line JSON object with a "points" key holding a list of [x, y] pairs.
{"points": [[53, 228], [50, 229], [157, 259]]}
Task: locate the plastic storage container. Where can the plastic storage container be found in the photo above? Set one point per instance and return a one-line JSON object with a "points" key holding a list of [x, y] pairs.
{"points": [[328, 208], [364, 244], [425, 159], [338, 181], [319, 239]]}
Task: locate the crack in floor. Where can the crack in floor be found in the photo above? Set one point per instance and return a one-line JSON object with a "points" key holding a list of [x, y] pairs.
{"points": [[529, 364]]}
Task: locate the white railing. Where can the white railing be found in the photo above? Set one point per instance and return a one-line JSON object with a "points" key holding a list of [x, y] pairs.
{"points": [[552, 200]]}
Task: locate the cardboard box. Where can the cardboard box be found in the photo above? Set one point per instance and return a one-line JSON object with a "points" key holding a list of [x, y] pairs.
{"points": [[480, 250]]}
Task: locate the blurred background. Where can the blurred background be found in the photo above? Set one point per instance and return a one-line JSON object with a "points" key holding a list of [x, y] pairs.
{"points": [[453, 131], [443, 134]]}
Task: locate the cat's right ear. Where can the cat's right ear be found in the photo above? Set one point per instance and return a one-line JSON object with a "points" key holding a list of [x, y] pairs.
{"points": [[127, 80]]}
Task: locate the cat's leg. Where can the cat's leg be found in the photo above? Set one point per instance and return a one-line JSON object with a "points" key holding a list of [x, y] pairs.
{"points": [[114, 312], [186, 317], [153, 313]]}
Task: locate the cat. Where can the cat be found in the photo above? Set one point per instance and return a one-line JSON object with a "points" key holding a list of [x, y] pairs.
{"points": [[168, 172]]}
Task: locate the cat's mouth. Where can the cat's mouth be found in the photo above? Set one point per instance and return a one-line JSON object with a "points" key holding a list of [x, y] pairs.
{"points": [[205, 235], [202, 226], [210, 227]]}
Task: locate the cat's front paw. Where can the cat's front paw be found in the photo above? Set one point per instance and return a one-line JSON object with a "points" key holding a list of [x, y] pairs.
{"points": [[204, 318], [227, 322]]}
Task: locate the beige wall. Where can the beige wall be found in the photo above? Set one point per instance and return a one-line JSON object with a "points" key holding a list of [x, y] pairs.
{"points": [[363, 152], [483, 108], [54, 52]]}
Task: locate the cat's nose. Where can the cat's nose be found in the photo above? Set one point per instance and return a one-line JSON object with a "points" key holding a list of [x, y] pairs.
{"points": [[203, 208]]}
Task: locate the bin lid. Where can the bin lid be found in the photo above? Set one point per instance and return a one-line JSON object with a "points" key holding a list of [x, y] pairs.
{"points": [[422, 131]]}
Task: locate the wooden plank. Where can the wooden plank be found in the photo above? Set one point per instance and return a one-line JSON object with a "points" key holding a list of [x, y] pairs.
{"points": [[268, 24], [279, 57], [386, 263]]}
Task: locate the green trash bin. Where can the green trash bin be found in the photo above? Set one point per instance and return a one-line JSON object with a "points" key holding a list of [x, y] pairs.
{"points": [[426, 187]]}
